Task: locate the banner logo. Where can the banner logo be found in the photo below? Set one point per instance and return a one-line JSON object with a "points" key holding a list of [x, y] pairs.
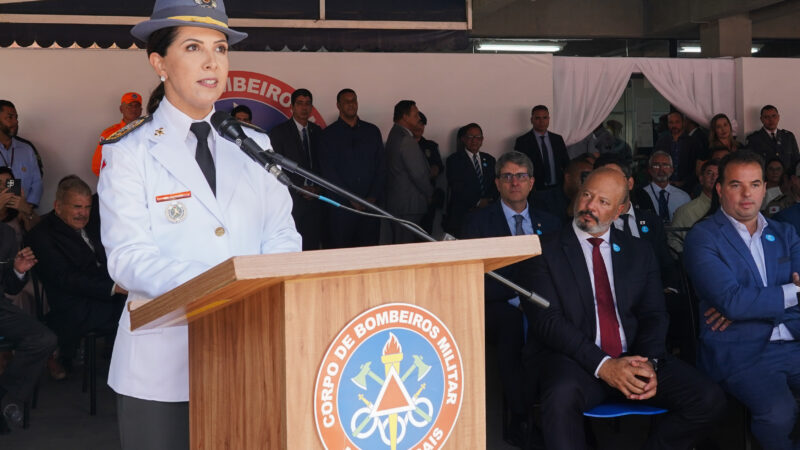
{"points": [[392, 378], [270, 99]]}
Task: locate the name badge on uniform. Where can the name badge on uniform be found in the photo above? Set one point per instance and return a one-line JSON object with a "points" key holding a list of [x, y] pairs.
{"points": [[176, 212]]}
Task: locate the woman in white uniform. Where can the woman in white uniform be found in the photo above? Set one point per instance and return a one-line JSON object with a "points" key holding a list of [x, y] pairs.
{"points": [[175, 200]]}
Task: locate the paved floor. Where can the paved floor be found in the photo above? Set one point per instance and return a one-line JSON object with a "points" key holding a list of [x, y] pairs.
{"points": [[62, 421]]}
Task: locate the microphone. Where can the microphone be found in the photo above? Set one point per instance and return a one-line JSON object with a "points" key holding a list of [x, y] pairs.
{"points": [[230, 129]]}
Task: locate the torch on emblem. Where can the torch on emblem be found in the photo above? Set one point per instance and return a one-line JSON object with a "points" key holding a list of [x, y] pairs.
{"points": [[394, 409]]}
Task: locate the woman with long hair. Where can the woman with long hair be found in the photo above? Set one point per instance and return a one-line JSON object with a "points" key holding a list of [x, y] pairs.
{"points": [[175, 200], [721, 134]]}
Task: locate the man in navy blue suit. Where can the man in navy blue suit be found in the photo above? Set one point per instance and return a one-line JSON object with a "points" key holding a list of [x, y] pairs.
{"points": [[603, 335], [746, 267], [511, 215]]}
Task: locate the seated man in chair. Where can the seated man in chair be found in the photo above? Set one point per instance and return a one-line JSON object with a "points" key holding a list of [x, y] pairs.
{"points": [[603, 334], [72, 266]]}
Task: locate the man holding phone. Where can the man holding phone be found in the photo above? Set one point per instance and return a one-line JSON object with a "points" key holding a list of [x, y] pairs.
{"points": [[18, 155]]}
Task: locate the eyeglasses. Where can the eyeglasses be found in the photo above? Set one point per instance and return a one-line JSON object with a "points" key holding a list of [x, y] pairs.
{"points": [[507, 177], [470, 137], [661, 165]]}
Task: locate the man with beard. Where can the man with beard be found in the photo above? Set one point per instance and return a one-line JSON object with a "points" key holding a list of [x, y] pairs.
{"points": [[683, 149], [19, 155], [604, 332]]}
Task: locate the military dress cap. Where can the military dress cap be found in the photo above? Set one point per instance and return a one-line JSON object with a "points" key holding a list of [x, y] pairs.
{"points": [[192, 13]]}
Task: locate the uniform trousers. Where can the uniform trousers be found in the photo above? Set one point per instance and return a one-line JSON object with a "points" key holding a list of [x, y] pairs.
{"points": [[151, 425]]}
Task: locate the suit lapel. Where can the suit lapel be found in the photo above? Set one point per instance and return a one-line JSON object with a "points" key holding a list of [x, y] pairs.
{"points": [[770, 256], [580, 273], [727, 230], [168, 152], [499, 222], [230, 172]]}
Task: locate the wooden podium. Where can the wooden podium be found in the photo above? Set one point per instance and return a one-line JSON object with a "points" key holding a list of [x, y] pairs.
{"points": [[259, 327]]}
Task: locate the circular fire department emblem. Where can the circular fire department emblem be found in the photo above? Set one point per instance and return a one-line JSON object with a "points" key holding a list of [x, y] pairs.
{"points": [[392, 378]]}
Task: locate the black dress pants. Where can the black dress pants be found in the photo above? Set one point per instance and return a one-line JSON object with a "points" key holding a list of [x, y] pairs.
{"points": [[567, 390], [33, 342]]}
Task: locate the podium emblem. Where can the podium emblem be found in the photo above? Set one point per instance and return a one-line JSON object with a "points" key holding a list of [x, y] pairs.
{"points": [[393, 379]]}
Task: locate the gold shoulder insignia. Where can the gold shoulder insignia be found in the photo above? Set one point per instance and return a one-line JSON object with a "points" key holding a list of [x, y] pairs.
{"points": [[252, 127], [124, 131]]}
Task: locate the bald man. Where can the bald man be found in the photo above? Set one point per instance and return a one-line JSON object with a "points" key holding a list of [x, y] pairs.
{"points": [[603, 334]]}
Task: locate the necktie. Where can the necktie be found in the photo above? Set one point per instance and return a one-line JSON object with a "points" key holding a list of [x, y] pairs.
{"points": [[546, 163], [610, 341], [518, 231], [203, 155], [772, 136], [477, 164], [626, 227], [663, 206], [306, 146], [86, 239]]}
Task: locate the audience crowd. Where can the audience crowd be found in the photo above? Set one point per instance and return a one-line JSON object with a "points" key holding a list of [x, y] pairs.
{"points": [[672, 271]]}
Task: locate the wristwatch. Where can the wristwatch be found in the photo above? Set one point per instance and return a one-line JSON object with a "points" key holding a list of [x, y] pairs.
{"points": [[654, 362]]}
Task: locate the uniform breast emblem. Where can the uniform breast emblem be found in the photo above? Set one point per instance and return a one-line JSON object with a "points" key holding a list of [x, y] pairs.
{"points": [[176, 212]]}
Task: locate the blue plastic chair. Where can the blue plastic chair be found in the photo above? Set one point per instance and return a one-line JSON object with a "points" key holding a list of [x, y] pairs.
{"points": [[611, 410]]}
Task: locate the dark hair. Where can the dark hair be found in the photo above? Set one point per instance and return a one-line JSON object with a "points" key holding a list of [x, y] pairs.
{"points": [[6, 169], [539, 108], [244, 109], [422, 119], [6, 103], [767, 108], [740, 157], [774, 159], [515, 157], [158, 42], [675, 111], [573, 163], [463, 130], [616, 159], [709, 163], [302, 92], [342, 92], [402, 108]]}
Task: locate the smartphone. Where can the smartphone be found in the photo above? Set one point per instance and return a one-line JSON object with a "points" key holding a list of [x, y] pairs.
{"points": [[14, 186]]}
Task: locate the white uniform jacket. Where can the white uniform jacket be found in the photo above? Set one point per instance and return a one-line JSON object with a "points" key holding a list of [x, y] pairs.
{"points": [[155, 243]]}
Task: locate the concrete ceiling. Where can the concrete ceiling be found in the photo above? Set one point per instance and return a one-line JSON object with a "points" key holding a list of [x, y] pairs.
{"points": [[628, 19]]}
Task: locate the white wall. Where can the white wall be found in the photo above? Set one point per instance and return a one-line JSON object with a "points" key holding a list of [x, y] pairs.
{"points": [[763, 81], [65, 98]]}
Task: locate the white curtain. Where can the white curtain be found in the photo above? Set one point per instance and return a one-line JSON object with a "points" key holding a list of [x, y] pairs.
{"points": [[585, 90], [699, 88]]}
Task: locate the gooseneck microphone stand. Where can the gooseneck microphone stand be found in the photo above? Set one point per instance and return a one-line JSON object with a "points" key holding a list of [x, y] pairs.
{"points": [[231, 129]]}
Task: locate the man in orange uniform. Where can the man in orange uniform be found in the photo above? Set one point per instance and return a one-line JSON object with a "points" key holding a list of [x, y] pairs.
{"points": [[131, 109]]}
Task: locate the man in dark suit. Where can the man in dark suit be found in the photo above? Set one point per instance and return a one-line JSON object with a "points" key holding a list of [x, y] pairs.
{"points": [[604, 332], [509, 216], [298, 139], [352, 156], [408, 187], [470, 178], [72, 266], [683, 149], [547, 150], [33, 342], [558, 202], [770, 142], [746, 267]]}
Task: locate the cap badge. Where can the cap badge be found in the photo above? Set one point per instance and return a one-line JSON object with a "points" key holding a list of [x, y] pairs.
{"points": [[206, 3]]}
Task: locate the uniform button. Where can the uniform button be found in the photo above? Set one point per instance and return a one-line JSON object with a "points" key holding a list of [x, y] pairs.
{"points": [[219, 231]]}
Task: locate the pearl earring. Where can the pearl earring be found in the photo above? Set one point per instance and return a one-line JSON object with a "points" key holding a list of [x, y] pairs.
{"points": [[163, 78]]}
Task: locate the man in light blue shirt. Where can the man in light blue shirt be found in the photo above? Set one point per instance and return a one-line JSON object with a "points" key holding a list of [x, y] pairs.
{"points": [[746, 268], [19, 155]]}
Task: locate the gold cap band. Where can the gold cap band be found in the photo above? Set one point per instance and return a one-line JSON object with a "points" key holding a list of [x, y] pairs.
{"points": [[200, 19]]}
